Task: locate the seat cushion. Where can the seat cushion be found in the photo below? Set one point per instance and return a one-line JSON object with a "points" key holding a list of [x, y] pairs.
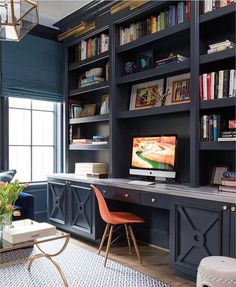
{"points": [[125, 217], [7, 176]]}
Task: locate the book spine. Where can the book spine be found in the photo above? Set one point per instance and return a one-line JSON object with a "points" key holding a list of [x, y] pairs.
{"points": [[208, 86], [204, 78], [215, 128], [212, 85], [226, 84], [204, 127], [187, 10], [231, 83], [210, 127], [221, 81], [216, 85], [229, 174], [200, 88]]}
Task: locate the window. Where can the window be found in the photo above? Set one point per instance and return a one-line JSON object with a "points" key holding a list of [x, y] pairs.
{"points": [[32, 138]]}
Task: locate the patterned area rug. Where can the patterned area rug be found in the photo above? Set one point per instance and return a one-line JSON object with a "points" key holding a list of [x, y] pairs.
{"points": [[81, 267]]}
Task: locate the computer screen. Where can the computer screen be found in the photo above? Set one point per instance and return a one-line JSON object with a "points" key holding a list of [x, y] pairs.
{"points": [[154, 153]]}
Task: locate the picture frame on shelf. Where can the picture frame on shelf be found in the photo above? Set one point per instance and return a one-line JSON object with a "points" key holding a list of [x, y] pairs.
{"points": [[217, 173], [147, 95], [88, 110], [144, 62], [178, 89]]}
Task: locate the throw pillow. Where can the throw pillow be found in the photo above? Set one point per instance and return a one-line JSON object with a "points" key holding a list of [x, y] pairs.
{"points": [[7, 176]]}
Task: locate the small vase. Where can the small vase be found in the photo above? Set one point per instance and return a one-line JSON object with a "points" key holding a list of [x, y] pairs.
{"points": [[8, 220], [1, 227]]}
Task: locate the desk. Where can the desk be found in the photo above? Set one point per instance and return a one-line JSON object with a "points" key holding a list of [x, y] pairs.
{"points": [[200, 221]]}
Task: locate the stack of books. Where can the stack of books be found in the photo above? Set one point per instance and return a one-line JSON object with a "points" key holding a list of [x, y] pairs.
{"points": [[230, 134], [175, 14], [91, 169], [100, 139], [172, 58], [81, 141], [211, 5], [228, 182], [217, 85], [220, 46], [91, 47], [90, 81]]}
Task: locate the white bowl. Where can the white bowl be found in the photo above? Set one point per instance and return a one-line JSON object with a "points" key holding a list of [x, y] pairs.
{"points": [[95, 72]]}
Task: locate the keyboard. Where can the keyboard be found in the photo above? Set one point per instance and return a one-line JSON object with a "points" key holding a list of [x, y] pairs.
{"points": [[141, 182]]}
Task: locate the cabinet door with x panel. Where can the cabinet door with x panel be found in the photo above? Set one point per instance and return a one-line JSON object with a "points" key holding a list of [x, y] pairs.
{"points": [[57, 200], [81, 206], [198, 228]]}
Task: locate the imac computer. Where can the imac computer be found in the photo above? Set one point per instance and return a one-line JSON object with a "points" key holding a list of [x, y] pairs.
{"points": [[154, 156]]}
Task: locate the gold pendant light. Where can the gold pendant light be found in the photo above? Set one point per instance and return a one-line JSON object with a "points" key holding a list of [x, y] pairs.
{"points": [[17, 18]]}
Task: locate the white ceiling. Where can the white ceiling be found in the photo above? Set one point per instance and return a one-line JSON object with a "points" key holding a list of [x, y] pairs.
{"points": [[51, 11]]}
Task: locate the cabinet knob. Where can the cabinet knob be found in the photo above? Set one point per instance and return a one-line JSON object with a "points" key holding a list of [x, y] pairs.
{"points": [[126, 195], [104, 191], [225, 207], [153, 199], [233, 208]]}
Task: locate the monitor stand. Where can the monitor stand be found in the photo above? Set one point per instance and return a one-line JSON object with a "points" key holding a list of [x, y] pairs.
{"points": [[160, 179]]}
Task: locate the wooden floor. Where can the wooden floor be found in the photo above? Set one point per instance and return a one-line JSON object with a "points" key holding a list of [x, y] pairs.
{"points": [[155, 261]]}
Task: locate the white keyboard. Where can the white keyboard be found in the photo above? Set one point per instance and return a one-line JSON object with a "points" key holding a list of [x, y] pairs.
{"points": [[141, 182]]}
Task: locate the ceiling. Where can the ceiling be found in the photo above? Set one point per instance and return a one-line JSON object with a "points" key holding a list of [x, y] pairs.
{"points": [[51, 11]]}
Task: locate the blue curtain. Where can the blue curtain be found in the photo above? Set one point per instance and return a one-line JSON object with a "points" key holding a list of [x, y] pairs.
{"points": [[33, 68]]}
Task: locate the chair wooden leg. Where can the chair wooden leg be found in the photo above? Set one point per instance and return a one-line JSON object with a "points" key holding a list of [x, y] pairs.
{"points": [[128, 238], [135, 244], [103, 238], [108, 245]]}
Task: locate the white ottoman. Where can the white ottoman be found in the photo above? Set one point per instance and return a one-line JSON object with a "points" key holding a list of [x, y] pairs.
{"points": [[217, 271]]}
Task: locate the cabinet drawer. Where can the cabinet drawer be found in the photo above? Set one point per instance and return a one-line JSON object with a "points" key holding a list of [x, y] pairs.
{"points": [[155, 200], [127, 195], [107, 191]]}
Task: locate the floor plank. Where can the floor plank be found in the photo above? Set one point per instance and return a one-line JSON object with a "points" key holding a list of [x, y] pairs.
{"points": [[155, 261]]}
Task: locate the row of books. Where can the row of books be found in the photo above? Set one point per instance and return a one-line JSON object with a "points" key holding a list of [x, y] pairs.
{"points": [[212, 129], [94, 140], [217, 85], [91, 47], [173, 15], [228, 181], [211, 5], [91, 169], [220, 46]]}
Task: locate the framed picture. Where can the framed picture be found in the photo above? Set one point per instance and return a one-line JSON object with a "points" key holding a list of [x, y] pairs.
{"points": [[147, 95], [88, 110], [178, 89], [144, 62], [217, 173]]}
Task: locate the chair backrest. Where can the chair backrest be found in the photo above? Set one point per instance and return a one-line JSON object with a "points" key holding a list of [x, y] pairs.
{"points": [[103, 209]]}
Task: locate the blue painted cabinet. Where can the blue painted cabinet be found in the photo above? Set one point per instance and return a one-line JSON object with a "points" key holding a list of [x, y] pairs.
{"points": [[73, 208], [198, 229]]}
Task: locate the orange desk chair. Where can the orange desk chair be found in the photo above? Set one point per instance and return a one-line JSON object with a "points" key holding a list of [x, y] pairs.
{"points": [[115, 218]]}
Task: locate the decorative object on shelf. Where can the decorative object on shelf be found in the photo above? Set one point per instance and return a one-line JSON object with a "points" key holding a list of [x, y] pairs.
{"points": [[144, 62], [130, 67], [105, 105], [228, 182], [78, 30], [100, 139], [107, 71], [172, 58], [17, 18], [88, 110], [94, 72], [217, 174], [147, 95], [178, 89], [75, 111]]}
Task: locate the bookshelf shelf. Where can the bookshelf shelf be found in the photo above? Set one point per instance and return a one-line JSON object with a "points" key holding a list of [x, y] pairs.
{"points": [[89, 89], [151, 38], [218, 56], [88, 147], [220, 12], [154, 111], [218, 103], [94, 119], [89, 61], [155, 72], [218, 146]]}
